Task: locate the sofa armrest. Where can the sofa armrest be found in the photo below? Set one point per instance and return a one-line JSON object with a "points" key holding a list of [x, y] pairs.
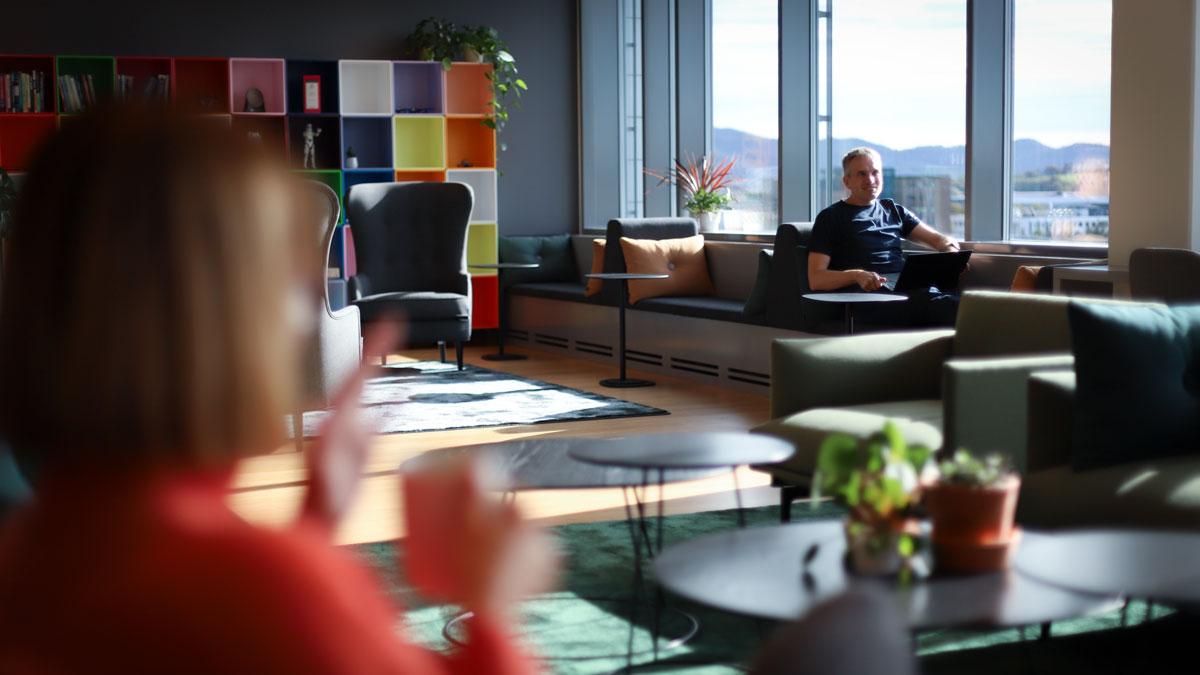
{"points": [[1051, 410], [856, 369], [985, 402]]}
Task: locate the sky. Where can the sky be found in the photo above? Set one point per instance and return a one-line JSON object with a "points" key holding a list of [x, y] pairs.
{"points": [[899, 70]]}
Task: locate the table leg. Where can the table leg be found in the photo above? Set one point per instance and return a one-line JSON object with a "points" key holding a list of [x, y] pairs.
{"points": [[500, 355], [849, 318], [622, 381]]}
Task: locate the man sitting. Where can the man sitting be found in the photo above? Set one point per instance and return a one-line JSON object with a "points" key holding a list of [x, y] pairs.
{"points": [[856, 244]]}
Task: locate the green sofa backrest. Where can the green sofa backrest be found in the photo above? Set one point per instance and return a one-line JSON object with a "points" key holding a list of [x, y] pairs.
{"points": [[993, 323]]}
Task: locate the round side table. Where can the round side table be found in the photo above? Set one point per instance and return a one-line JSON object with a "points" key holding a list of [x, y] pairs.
{"points": [[625, 278], [500, 267], [849, 300]]}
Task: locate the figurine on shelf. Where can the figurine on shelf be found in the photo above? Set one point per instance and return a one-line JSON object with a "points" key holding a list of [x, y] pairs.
{"points": [[465, 164], [310, 146], [255, 101]]}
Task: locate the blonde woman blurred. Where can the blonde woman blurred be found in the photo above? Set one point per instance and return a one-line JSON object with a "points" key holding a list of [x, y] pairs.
{"points": [[157, 298]]}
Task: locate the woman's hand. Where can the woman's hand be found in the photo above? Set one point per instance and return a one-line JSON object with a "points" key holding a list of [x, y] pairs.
{"points": [[467, 548], [335, 461]]}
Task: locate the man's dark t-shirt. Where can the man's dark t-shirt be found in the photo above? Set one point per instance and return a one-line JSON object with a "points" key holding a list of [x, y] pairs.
{"points": [[863, 237]]}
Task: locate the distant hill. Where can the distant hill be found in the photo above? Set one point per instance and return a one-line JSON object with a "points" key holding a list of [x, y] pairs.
{"points": [[1028, 155]]}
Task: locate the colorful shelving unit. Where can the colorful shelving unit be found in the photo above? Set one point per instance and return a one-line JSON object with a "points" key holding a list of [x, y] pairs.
{"points": [[406, 120]]}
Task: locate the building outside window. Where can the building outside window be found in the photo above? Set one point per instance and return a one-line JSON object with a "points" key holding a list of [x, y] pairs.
{"points": [[745, 108], [892, 76], [631, 146], [1062, 57]]}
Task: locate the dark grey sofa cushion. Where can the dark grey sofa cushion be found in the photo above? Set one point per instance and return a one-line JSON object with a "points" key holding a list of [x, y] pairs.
{"points": [[703, 307], [554, 290]]}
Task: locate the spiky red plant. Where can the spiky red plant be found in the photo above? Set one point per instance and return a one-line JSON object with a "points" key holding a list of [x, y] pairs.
{"points": [[707, 176]]}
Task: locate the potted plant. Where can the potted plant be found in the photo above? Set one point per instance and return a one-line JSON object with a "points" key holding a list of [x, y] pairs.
{"points": [[879, 481], [971, 506], [482, 44], [433, 40], [351, 158], [705, 187]]}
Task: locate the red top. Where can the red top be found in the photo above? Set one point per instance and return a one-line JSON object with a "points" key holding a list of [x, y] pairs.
{"points": [[156, 574]]}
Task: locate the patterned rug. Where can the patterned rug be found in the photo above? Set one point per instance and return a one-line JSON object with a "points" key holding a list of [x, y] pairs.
{"points": [[435, 396]]}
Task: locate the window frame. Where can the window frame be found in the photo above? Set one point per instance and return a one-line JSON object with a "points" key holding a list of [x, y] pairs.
{"points": [[683, 117]]}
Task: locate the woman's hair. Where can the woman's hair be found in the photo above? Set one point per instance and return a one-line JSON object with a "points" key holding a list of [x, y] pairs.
{"points": [[144, 317]]}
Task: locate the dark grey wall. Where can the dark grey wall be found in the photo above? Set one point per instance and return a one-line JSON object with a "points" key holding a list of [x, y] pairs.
{"points": [[540, 187]]}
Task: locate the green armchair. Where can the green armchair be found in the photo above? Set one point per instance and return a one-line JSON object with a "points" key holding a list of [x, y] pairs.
{"points": [[965, 387]]}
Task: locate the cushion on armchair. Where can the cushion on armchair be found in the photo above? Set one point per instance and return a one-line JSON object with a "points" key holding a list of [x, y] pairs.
{"points": [[553, 253], [1137, 373], [683, 259]]}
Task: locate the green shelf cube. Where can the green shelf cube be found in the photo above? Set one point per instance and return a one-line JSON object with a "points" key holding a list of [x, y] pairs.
{"points": [[419, 142], [333, 179]]}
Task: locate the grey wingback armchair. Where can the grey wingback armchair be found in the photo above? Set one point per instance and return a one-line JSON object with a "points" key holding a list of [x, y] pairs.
{"points": [[337, 350], [410, 240]]}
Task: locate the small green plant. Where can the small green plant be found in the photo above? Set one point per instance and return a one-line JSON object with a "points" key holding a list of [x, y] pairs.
{"points": [[8, 201], [878, 480], [503, 82], [968, 470], [433, 40], [350, 151], [707, 202]]}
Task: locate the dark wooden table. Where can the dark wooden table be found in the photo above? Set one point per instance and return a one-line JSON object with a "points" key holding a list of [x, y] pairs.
{"points": [[500, 267], [761, 572], [625, 278]]}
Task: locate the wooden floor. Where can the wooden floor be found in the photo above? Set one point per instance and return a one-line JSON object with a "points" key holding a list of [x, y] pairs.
{"points": [[268, 488]]}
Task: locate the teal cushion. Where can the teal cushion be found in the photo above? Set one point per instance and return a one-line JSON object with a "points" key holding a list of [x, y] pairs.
{"points": [[552, 252], [757, 302], [1137, 372]]}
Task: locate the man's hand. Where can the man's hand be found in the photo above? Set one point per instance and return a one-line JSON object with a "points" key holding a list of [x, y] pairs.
{"points": [[867, 280]]}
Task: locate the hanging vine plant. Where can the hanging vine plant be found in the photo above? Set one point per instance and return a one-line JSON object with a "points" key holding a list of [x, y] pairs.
{"points": [[440, 40]]}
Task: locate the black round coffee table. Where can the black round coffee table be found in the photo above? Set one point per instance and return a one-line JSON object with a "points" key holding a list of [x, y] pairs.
{"points": [[547, 464], [850, 300], [761, 572], [1151, 565], [501, 329], [625, 278]]}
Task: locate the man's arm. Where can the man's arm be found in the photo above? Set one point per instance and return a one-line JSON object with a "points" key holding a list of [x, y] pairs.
{"points": [[821, 278], [927, 236]]}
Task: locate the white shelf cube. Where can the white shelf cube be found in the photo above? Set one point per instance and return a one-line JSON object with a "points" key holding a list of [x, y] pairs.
{"points": [[483, 182], [366, 87]]}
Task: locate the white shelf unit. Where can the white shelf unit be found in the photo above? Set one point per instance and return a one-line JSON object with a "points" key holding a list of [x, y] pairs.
{"points": [[366, 87], [483, 182]]}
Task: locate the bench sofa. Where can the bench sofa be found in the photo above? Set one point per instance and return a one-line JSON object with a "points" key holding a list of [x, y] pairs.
{"points": [[724, 338]]}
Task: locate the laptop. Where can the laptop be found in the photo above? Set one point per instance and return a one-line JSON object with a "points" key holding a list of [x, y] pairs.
{"points": [[923, 270]]}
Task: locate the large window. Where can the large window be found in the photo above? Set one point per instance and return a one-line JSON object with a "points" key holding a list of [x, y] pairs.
{"points": [[1061, 82], [745, 108], [892, 76]]}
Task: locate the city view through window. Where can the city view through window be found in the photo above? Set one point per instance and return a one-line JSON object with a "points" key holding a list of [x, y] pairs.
{"points": [[745, 81], [899, 86]]}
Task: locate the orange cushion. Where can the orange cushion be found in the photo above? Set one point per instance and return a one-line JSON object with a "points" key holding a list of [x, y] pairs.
{"points": [[594, 285], [1023, 281], [683, 259]]}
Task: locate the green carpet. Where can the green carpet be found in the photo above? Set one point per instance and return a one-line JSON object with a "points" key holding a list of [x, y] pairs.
{"points": [[565, 628]]}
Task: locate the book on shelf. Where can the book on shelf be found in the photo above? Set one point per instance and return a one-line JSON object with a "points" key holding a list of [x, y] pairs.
{"points": [[157, 88], [77, 92], [22, 92]]}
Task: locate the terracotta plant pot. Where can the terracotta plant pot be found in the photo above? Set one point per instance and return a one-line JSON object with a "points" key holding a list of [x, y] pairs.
{"points": [[964, 515]]}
